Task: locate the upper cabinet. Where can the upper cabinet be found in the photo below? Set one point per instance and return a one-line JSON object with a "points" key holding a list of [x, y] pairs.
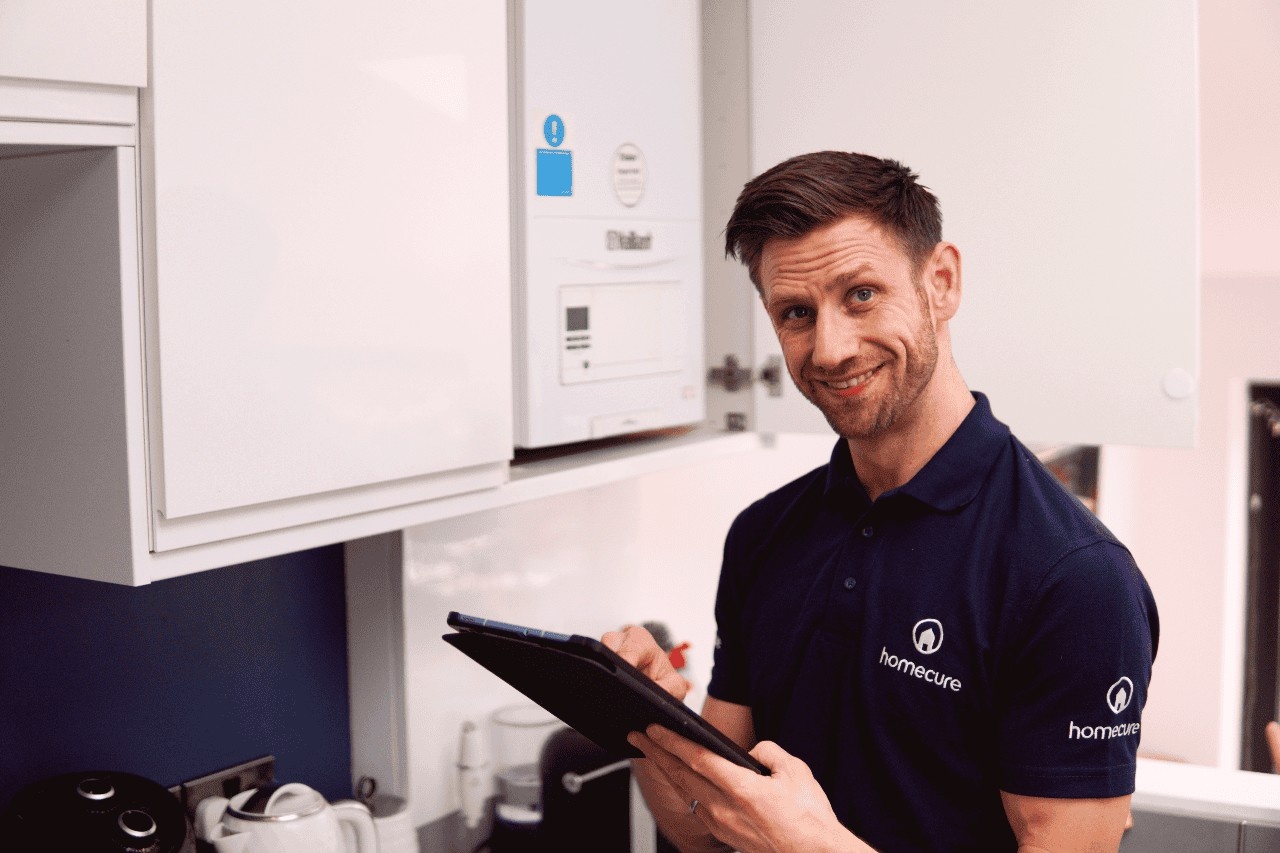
{"points": [[72, 61], [255, 280], [100, 42], [1061, 139], [281, 318], [326, 229]]}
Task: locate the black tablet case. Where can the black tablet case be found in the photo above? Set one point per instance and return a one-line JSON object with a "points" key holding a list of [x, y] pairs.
{"points": [[585, 685]]}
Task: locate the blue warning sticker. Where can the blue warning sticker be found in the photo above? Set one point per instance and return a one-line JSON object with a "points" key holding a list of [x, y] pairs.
{"points": [[553, 130], [555, 172]]}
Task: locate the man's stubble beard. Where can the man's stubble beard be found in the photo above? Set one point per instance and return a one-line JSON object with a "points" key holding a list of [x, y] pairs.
{"points": [[919, 371]]}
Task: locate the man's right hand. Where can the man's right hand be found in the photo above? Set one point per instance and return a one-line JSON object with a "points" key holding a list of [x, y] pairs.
{"points": [[637, 647]]}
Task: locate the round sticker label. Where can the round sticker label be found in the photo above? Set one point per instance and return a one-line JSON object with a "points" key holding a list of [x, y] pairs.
{"points": [[553, 130], [629, 174]]}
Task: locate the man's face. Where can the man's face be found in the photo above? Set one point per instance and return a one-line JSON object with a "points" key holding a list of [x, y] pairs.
{"points": [[854, 323]]}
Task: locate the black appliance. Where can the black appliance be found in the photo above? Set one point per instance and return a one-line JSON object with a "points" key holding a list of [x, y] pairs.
{"points": [[95, 812]]}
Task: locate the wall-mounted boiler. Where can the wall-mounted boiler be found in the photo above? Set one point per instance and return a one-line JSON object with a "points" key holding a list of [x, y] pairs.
{"points": [[607, 233]]}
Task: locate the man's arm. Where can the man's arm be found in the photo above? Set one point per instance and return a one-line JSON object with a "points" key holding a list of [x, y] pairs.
{"points": [[1046, 825]]}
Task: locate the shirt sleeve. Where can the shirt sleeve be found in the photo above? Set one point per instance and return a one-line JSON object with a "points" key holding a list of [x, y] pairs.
{"points": [[729, 671], [1074, 681]]}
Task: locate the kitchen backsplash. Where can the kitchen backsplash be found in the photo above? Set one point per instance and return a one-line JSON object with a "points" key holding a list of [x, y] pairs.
{"points": [[178, 678]]}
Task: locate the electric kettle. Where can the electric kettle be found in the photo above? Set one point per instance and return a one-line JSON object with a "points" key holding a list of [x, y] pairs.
{"points": [[283, 818]]}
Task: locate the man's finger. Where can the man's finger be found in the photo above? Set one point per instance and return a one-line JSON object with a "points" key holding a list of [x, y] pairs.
{"points": [[697, 758], [770, 754]]}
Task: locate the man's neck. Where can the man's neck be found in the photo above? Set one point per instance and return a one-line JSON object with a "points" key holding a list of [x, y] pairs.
{"points": [[892, 459]]}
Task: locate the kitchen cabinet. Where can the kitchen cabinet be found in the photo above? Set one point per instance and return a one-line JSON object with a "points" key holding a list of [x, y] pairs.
{"points": [[72, 62], [101, 42], [1061, 139], [262, 319], [327, 233], [301, 333]]}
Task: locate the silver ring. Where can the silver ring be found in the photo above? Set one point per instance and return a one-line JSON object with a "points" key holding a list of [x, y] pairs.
{"points": [[693, 807]]}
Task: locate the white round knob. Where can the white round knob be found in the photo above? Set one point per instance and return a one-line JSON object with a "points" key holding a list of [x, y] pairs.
{"points": [[1179, 384]]}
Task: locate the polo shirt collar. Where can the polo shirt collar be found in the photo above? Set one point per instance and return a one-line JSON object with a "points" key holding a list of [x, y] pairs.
{"points": [[955, 474]]}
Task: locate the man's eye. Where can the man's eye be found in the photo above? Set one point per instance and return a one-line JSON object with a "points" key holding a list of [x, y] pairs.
{"points": [[863, 294], [797, 312]]}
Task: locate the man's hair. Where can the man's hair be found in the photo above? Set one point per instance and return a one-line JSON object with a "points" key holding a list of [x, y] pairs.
{"points": [[813, 190]]}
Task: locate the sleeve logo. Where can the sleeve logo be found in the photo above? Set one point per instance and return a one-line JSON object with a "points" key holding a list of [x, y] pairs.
{"points": [[1119, 695]]}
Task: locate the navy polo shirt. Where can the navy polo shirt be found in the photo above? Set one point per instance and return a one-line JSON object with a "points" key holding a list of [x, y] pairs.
{"points": [[973, 631]]}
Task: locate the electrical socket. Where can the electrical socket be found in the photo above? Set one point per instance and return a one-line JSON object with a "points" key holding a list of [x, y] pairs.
{"points": [[225, 783]]}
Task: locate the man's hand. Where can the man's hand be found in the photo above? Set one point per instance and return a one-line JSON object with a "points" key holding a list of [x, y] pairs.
{"points": [[784, 811], [637, 647]]}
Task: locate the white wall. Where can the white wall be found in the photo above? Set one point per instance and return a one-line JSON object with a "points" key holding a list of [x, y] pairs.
{"points": [[1182, 511]]}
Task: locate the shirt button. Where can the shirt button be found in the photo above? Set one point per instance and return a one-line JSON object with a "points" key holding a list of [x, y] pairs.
{"points": [[850, 583], [868, 531]]}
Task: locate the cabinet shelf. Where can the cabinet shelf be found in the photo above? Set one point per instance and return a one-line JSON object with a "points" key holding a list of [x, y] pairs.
{"points": [[593, 467]]}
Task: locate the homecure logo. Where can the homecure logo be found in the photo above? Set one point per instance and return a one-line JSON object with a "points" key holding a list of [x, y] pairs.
{"points": [[926, 636], [1119, 695]]}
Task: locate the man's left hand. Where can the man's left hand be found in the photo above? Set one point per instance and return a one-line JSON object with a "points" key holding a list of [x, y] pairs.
{"points": [[784, 811]]}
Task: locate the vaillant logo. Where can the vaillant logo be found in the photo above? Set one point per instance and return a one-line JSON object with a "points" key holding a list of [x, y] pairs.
{"points": [[627, 241], [927, 636], [1119, 695]]}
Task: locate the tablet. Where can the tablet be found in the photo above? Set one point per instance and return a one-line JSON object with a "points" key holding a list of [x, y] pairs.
{"points": [[586, 685]]}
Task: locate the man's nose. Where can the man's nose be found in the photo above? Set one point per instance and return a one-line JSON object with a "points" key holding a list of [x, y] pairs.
{"points": [[836, 340]]}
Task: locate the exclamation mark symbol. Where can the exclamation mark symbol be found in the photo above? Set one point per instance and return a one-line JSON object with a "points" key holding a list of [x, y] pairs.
{"points": [[553, 130]]}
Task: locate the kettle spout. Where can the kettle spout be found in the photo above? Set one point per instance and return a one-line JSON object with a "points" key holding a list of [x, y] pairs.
{"points": [[210, 829], [237, 843]]}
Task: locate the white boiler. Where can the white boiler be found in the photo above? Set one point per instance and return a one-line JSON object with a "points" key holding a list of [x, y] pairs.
{"points": [[607, 233]]}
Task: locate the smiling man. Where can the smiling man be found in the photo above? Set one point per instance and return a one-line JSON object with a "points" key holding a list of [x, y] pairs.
{"points": [[928, 640]]}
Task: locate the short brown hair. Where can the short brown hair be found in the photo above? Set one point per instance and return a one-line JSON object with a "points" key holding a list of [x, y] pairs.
{"points": [[812, 190]]}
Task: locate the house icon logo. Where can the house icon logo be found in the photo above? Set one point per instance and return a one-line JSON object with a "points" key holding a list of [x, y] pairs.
{"points": [[926, 636], [1119, 695]]}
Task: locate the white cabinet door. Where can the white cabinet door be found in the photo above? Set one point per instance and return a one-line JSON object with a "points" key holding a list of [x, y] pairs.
{"points": [[1060, 138], [327, 248], [68, 312], [75, 41]]}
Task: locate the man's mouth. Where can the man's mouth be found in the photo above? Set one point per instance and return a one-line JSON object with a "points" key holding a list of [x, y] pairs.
{"points": [[851, 386]]}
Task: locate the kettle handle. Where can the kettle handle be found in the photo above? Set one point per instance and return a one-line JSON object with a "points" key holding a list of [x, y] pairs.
{"points": [[357, 816]]}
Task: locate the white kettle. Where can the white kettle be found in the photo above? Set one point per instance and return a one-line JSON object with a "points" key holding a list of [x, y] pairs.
{"points": [[284, 818]]}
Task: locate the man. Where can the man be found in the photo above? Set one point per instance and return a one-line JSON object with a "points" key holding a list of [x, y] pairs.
{"points": [[930, 643]]}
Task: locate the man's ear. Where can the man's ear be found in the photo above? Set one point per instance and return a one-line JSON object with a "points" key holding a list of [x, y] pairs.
{"points": [[942, 281]]}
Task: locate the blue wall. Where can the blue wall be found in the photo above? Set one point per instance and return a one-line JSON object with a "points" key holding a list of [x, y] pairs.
{"points": [[178, 678]]}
